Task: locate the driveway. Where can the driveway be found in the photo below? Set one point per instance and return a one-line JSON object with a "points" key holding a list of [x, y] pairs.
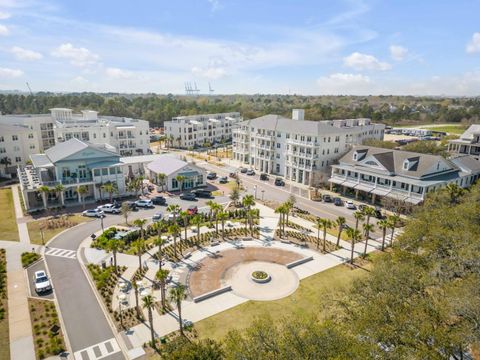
{"points": [[40, 265]]}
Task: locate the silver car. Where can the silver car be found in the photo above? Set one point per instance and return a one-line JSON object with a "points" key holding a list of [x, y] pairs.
{"points": [[42, 284]]}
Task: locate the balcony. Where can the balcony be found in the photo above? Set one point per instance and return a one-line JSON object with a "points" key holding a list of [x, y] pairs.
{"points": [[302, 154], [264, 136], [302, 143]]}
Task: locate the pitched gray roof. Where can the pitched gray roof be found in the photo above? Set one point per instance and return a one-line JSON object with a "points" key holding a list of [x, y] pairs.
{"points": [[468, 134], [392, 161], [65, 149], [166, 164], [467, 163], [40, 160]]}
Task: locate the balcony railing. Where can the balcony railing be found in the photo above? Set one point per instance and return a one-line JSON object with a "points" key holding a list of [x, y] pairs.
{"points": [[302, 143]]}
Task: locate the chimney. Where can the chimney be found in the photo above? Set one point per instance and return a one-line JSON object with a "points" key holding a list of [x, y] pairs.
{"points": [[298, 114]]}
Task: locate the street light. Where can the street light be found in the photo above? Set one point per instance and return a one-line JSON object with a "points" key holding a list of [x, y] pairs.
{"points": [[101, 223], [263, 191], [255, 191]]}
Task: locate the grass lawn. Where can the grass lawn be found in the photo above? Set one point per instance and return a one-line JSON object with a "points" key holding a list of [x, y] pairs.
{"points": [[48, 233], [4, 337], [8, 221], [451, 129], [307, 300]]}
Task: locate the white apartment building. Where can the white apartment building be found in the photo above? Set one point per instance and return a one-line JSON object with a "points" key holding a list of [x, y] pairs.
{"points": [[197, 130], [128, 136], [300, 150]]}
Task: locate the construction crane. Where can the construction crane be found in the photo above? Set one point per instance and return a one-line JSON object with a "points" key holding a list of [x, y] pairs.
{"points": [[196, 90], [34, 101], [29, 88]]}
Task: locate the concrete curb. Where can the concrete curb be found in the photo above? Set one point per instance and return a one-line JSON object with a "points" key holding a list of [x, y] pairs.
{"points": [[211, 294]]}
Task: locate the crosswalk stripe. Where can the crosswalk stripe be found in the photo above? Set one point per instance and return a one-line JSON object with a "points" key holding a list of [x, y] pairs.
{"points": [[90, 353], [69, 254]]}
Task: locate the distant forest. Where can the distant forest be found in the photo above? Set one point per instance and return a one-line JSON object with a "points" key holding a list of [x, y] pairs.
{"points": [[159, 108]]}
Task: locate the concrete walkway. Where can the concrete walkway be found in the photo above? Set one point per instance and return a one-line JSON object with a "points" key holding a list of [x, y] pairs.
{"points": [[21, 223]]}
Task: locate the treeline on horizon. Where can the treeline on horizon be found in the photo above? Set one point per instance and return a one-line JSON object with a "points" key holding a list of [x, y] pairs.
{"points": [[159, 108]]}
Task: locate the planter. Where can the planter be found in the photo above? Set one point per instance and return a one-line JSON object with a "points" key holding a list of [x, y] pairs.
{"points": [[260, 277]]}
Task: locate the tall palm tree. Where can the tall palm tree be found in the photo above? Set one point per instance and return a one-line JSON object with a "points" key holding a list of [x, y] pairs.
{"points": [[251, 214], [174, 229], [161, 275], [282, 210], [384, 225], [125, 210], [340, 222], [247, 201], [140, 223], [110, 188], [82, 190], [368, 211], [44, 190], [114, 245], [358, 215], [180, 179], [59, 189], [324, 224], [366, 230], [290, 203], [211, 206], [197, 221], [177, 295], [139, 247], [148, 302], [222, 216], [137, 308], [161, 179], [185, 217], [393, 220], [353, 235], [174, 209]]}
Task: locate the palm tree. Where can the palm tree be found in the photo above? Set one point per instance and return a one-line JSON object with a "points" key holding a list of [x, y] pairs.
{"points": [[139, 246], [59, 189], [44, 190], [290, 203], [140, 223], [197, 221], [211, 205], [366, 230], [137, 308], [282, 210], [135, 184], [114, 245], [384, 225], [324, 224], [180, 179], [161, 275], [174, 209], [161, 179], [393, 220], [185, 217], [110, 188], [353, 235], [178, 294], [125, 210], [82, 190], [148, 303], [248, 201], [455, 192], [174, 229], [340, 222], [358, 215], [222, 216], [368, 211], [251, 214], [235, 195]]}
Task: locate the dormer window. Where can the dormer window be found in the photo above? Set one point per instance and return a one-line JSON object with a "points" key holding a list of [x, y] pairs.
{"points": [[355, 156], [406, 165]]}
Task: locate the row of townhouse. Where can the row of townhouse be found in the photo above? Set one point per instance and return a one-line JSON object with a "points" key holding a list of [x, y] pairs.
{"points": [[76, 163], [300, 150], [199, 130], [127, 136]]}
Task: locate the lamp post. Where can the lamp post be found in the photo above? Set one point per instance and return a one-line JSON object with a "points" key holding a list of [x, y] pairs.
{"points": [[255, 191], [263, 191], [101, 223]]}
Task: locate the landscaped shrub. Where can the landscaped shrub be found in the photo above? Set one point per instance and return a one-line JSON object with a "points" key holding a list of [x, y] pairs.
{"points": [[29, 258]]}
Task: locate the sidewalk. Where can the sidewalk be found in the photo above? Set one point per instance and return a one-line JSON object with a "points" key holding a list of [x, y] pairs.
{"points": [[22, 225]]}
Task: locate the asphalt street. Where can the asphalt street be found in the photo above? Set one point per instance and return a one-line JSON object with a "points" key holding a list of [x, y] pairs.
{"points": [[86, 326]]}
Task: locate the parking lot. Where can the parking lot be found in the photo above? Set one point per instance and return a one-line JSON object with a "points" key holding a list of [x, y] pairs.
{"points": [[31, 284]]}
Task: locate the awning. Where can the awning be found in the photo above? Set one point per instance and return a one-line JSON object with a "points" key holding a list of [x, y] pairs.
{"points": [[414, 201], [189, 173], [380, 191], [336, 181], [364, 187], [350, 183]]}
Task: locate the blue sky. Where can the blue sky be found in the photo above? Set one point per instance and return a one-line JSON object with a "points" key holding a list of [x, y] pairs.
{"points": [[241, 46]]}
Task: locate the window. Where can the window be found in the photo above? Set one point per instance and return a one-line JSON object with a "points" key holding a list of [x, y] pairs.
{"points": [[30, 136], [96, 172], [174, 183], [2, 139], [104, 135], [278, 145], [278, 156], [32, 146], [16, 148], [406, 165], [14, 137], [18, 159], [3, 150], [94, 135], [105, 171]]}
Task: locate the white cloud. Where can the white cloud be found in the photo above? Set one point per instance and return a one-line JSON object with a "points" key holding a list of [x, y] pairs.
{"points": [[360, 61], [25, 54], [215, 5], [10, 73], [211, 72], [4, 30], [474, 45], [78, 56], [4, 15], [344, 83], [116, 73], [398, 52]]}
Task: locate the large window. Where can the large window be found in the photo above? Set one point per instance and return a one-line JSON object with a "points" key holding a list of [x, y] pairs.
{"points": [[174, 183]]}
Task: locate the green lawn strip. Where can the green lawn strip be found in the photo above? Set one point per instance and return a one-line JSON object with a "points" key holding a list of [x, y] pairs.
{"points": [[52, 227], [8, 221], [311, 294], [4, 335], [451, 129]]}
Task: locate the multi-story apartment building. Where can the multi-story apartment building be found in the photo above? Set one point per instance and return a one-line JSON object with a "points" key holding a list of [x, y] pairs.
{"points": [[375, 173], [468, 143], [199, 130], [128, 136], [300, 150]]}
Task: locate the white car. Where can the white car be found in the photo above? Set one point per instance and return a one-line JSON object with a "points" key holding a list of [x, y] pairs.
{"points": [[109, 208], [93, 213], [157, 216], [42, 284], [144, 203], [350, 205]]}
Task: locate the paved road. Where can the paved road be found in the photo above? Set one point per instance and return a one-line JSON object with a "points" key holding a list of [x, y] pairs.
{"points": [[86, 326]]}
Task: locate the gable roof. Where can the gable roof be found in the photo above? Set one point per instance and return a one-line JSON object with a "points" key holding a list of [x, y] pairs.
{"points": [[393, 161], [68, 148], [166, 164], [468, 134]]}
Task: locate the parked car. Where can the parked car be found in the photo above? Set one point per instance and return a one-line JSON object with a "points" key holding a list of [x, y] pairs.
{"points": [[202, 193], [132, 205], [188, 196], [350, 205], [378, 214], [362, 207], [211, 176], [264, 177], [233, 175], [42, 284], [157, 216], [159, 200], [243, 170], [144, 203], [93, 213], [192, 210], [109, 208], [279, 182], [337, 201], [250, 172], [223, 180], [327, 198]]}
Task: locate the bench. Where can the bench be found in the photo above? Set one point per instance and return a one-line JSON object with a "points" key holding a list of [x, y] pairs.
{"points": [[187, 255]]}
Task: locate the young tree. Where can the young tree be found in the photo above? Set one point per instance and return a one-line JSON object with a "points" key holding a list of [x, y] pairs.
{"points": [[161, 179], [393, 221], [197, 221], [290, 203], [174, 230], [340, 223], [323, 224], [139, 247], [384, 225], [140, 223], [175, 210], [282, 210], [358, 215], [110, 188], [44, 190], [125, 210], [235, 196], [59, 189], [222, 216], [177, 295], [82, 190], [148, 302], [161, 275], [366, 230], [114, 245], [353, 234], [248, 201]]}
